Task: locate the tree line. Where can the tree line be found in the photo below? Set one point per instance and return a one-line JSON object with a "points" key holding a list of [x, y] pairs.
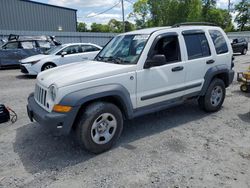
{"points": [[153, 13]]}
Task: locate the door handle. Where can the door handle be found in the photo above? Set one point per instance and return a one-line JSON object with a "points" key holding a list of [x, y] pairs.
{"points": [[211, 61], [179, 68]]}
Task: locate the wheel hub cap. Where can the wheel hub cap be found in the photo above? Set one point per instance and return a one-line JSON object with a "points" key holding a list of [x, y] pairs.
{"points": [[216, 95], [103, 128]]}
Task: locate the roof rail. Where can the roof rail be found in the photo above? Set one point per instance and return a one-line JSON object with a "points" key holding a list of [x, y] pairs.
{"points": [[194, 23]]}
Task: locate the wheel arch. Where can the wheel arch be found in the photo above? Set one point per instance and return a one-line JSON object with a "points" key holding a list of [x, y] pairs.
{"points": [[115, 94], [222, 72], [47, 63]]}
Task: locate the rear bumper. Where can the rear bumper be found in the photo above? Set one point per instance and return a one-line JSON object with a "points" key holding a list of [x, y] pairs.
{"points": [[56, 122], [231, 76]]}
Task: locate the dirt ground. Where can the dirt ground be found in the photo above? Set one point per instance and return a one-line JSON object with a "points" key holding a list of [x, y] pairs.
{"points": [[178, 147]]}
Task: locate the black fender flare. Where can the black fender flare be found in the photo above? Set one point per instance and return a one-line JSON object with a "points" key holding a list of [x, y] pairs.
{"points": [[80, 97], [212, 73]]}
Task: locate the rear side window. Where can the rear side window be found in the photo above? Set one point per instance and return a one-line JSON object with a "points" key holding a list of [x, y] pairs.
{"points": [[219, 41], [28, 44], [197, 46], [89, 48]]}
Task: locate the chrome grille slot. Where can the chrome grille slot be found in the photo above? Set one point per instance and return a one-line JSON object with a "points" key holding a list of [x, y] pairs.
{"points": [[40, 95]]}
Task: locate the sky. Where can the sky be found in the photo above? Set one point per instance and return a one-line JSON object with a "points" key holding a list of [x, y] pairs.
{"points": [[87, 9]]}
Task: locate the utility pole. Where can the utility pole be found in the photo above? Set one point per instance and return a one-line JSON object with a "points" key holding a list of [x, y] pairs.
{"points": [[123, 17]]}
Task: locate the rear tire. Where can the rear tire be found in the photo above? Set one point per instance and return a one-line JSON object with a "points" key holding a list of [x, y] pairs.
{"points": [[244, 51], [99, 126], [47, 66], [214, 96]]}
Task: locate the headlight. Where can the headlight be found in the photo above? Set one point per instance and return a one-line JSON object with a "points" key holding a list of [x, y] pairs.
{"points": [[34, 62], [53, 92]]}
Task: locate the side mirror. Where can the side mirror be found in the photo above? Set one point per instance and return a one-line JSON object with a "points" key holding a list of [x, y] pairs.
{"points": [[235, 41], [156, 60], [63, 54]]}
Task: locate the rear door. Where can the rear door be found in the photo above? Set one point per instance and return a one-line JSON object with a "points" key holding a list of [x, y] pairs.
{"points": [[221, 47], [199, 59], [89, 52], [29, 48]]}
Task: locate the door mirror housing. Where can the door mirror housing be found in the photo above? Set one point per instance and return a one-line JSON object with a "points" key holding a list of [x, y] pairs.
{"points": [[235, 41], [156, 60], [63, 54]]}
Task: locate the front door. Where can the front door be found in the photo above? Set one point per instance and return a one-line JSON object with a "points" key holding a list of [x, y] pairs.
{"points": [[72, 55], [10, 54], [165, 82]]}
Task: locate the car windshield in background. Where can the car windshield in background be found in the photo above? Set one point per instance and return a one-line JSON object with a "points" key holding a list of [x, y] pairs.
{"points": [[54, 50], [124, 49]]}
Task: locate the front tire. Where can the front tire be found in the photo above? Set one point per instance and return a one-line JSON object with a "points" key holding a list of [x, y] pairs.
{"points": [[214, 96], [48, 66], [99, 126]]}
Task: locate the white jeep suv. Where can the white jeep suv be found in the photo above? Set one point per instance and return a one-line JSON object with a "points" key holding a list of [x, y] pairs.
{"points": [[136, 73]]}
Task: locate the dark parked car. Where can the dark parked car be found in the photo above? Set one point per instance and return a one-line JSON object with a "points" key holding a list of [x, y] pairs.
{"points": [[20, 47], [240, 45]]}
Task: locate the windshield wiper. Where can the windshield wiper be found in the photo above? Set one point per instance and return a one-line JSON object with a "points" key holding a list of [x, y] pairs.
{"points": [[116, 60], [111, 59]]}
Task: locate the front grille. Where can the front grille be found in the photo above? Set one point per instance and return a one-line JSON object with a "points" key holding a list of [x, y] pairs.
{"points": [[40, 95]]}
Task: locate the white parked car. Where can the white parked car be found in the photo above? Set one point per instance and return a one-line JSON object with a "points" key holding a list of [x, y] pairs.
{"points": [[60, 55]]}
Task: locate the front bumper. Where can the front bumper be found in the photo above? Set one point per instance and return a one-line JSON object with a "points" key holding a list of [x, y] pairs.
{"points": [[27, 69], [56, 122]]}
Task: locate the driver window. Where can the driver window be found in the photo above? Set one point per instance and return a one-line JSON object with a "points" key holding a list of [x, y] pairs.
{"points": [[71, 49], [169, 47]]}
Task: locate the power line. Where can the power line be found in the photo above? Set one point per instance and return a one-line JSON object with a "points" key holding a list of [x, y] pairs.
{"points": [[129, 2], [97, 14]]}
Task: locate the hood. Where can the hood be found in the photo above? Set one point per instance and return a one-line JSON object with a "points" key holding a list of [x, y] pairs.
{"points": [[34, 58], [81, 72]]}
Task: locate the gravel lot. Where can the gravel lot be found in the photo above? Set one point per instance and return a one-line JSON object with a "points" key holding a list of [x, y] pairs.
{"points": [[178, 147]]}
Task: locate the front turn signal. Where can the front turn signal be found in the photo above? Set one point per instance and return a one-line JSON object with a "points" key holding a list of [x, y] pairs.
{"points": [[61, 108]]}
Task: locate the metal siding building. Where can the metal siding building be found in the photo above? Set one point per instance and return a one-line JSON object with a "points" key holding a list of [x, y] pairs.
{"points": [[33, 16]]}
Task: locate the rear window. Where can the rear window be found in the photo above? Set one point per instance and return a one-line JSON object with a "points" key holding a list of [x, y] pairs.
{"points": [[11, 45], [219, 41], [197, 46]]}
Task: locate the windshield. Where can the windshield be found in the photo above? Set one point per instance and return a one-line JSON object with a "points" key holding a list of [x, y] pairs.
{"points": [[53, 50], [124, 49]]}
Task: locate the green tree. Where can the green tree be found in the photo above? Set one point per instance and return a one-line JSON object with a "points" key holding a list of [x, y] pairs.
{"points": [[169, 12], [81, 27], [141, 13], [243, 15], [221, 18], [95, 27], [207, 5], [129, 26], [115, 26]]}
